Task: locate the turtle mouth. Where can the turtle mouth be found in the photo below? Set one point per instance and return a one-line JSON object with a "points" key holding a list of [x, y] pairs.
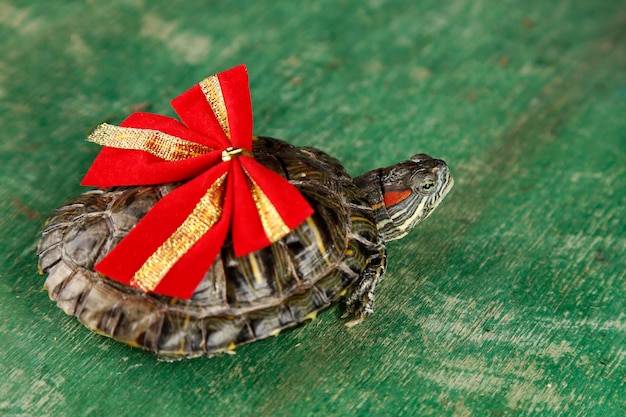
{"points": [[449, 183]]}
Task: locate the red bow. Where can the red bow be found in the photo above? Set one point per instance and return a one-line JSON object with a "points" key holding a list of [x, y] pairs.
{"points": [[170, 250]]}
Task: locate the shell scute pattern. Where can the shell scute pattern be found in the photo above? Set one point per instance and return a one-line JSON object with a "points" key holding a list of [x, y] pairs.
{"points": [[240, 299]]}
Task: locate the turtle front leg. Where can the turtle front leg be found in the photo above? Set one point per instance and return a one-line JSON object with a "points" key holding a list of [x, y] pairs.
{"points": [[360, 296]]}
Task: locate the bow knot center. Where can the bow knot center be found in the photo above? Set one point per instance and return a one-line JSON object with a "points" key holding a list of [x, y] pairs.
{"points": [[230, 153]]}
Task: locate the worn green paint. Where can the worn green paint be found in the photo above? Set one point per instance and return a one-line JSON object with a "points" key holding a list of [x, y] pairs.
{"points": [[508, 301]]}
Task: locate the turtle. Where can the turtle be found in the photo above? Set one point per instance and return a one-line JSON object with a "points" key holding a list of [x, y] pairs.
{"points": [[336, 255]]}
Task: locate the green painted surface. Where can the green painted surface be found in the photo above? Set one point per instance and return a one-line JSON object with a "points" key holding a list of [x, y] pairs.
{"points": [[508, 301]]}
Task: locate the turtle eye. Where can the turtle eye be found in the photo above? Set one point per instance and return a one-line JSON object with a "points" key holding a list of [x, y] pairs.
{"points": [[427, 186]]}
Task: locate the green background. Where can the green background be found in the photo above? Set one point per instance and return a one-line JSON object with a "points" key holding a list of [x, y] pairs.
{"points": [[508, 301]]}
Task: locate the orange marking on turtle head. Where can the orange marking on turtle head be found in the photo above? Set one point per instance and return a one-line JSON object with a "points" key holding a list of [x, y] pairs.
{"points": [[394, 197]]}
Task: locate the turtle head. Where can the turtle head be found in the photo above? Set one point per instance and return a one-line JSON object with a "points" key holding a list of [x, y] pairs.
{"points": [[407, 193]]}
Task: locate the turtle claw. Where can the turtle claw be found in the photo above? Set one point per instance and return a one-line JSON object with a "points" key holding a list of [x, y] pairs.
{"points": [[355, 320], [359, 311], [350, 324], [360, 296]]}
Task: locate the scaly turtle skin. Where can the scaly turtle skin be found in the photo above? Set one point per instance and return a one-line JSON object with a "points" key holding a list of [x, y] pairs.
{"points": [[338, 251]]}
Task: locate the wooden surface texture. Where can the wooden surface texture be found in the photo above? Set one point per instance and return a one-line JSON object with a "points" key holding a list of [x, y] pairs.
{"points": [[508, 301]]}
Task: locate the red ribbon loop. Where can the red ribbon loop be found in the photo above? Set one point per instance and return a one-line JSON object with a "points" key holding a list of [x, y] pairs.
{"points": [[170, 250]]}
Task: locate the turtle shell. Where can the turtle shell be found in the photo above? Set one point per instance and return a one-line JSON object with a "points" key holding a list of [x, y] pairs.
{"points": [[240, 299]]}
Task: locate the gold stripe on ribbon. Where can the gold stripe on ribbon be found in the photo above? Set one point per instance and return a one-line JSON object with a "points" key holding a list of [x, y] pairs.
{"points": [[159, 144], [213, 92], [273, 225], [204, 215]]}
